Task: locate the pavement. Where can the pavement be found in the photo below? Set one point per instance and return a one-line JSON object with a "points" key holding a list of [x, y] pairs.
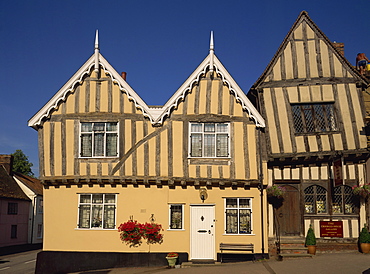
{"points": [[327, 263]]}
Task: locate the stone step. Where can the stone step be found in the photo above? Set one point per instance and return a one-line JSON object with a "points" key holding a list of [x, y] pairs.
{"points": [[294, 256]]}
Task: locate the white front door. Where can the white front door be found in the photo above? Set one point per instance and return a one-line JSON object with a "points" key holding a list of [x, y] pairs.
{"points": [[202, 244]]}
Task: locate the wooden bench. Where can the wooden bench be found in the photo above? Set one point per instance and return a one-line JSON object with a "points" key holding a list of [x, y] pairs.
{"points": [[236, 247]]}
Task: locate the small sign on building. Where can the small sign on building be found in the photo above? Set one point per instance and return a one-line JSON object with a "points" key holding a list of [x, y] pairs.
{"points": [[332, 229], [338, 172]]}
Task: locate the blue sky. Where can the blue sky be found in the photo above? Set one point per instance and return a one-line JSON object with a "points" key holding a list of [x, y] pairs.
{"points": [[158, 43]]}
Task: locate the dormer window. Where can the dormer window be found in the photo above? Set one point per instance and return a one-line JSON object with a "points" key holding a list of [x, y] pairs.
{"points": [[209, 140], [99, 139]]}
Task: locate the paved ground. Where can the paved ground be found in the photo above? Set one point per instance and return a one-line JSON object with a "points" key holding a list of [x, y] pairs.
{"points": [[342, 263]]}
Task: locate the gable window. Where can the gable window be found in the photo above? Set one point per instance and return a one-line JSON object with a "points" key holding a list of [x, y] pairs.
{"points": [[99, 139], [315, 200], [343, 200], [176, 216], [12, 208], [209, 140], [97, 211], [310, 118], [238, 215]]}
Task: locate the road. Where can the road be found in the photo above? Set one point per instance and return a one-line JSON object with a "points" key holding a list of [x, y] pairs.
{"points": [[24, 262]]}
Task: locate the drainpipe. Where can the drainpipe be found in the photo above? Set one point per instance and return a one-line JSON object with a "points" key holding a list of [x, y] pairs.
{"points": [[33, 217], [261, 189]]}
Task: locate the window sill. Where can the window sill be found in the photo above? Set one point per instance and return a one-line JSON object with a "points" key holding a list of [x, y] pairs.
{"points": [[171, 229], [229, 234], [97, 229], [209, 161]]}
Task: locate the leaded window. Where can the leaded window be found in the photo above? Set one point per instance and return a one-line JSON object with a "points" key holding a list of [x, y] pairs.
{"points": [[99, 139], [310, 118], [209, 140], [315, 200], [176, 216], [97, 211], [238, 215], [343, 200], [12, 208]]}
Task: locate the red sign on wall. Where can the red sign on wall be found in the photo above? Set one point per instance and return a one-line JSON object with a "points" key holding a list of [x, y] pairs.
{"points": [[338, 172], [331, 229]]}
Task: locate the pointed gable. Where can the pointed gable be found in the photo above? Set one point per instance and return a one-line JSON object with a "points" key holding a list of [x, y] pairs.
{"points": [[306, 54]]}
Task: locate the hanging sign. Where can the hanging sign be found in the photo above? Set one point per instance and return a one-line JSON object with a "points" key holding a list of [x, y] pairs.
{"points": [[338, 172], [331, 229]]}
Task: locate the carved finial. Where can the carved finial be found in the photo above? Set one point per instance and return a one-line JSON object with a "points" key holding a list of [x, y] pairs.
{"points": [[211, 52], [96, 67]]}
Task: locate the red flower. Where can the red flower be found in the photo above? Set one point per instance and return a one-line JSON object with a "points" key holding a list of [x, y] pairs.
{"points": [[132, 233]]}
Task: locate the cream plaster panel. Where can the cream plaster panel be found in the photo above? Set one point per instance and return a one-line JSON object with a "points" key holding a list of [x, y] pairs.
{"points": [[327, 93], [214, 97], [252, 152], [271, 121], [70, 103], [105, 169], [345, 228], [177, 128], [299, 140], [306, 173], [203, 171], [226, 171], [46, 137], [298, 32], [358, 114], [92, 94], [286, 174], [93, 169], [309, 32], [316, 93], [305, 95], [128, 139], [70, 157], [238, 152], [325, 142], [270, 176], [288, 61], [338, 68], [82, 97], [152, 156], [324, 59], [271, 221], [140, 152], [164, 153], [277, 71], [202, 96], [293, 95], [191, 97], [324, 172], [127, 104], [301, 59], [58, 148], [83, 169], [355, 227], [315, 173], [128, 166], [295, 173], [312, 143], [225, 101], [215, 172], [338, 144], [238, 109], [116, 99], [351, 172], [104, 96], [346, 116], [284, 125], [277, 174], [192, 171], [361, 172], [312, 59]]}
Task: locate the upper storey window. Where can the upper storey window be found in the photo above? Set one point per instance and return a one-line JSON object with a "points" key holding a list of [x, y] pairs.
{"points": [[310, 118], [99, 139], [209, 140]]}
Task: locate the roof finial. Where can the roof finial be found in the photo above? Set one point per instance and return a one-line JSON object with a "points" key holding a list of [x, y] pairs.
{"points": [[96, 67], [211, 52]]}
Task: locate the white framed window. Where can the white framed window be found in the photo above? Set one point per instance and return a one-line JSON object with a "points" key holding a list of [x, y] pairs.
{"points": [[39, 231], [209, 140], [99, 139], [176, 218], [238, 216], [97, 211]]}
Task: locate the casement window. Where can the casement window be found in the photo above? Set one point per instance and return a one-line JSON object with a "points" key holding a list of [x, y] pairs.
{"points": [[97, 211], [238, 215], [176, 216], [311, 118], [12, 208], [39, 231], [209, 140], [99, 139], [344, 201], [315, 200], [13, 232]]}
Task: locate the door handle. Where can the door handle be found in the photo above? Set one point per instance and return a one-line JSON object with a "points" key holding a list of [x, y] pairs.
{"points": [[202, 231], [209, 231]]}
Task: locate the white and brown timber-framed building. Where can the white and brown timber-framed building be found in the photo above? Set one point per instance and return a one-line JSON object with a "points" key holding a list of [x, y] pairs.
{"points": [[312, 100]]}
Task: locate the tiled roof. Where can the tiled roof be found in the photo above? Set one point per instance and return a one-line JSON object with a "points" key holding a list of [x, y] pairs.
{"points": [[32, 183], [9, 187]]}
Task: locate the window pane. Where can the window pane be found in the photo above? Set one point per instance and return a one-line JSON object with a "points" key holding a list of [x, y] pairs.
{"points": [[176, 217], [231, 202], [96, 216], [330, 117], [109, 216], [111, 144], [84, 216], [86, 145], [97, 198], [309, 200], [196, 145], [111, 126], [321, 199], [310, 126], [196, 127], [109, 198], [222, 145], [85, 198], [86, 127], [232, 221], [337, 200], [99, 144], [245, 221], [209, 127], [209, 145], [297, 118], [244, 203], [99, 127], [222, 128], [319, 118]]}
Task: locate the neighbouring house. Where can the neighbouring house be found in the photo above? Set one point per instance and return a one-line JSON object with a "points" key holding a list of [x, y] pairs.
{"points": [[14, 207], [193, 165], [33, 188], [311, 99]]}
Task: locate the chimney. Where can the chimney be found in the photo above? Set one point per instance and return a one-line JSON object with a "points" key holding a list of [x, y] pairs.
{"points": [[124, 74], [7, 162], [339, 47]]}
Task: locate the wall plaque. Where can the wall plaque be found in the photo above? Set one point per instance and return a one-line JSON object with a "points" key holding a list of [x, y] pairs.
{"points": [[331, 229]]}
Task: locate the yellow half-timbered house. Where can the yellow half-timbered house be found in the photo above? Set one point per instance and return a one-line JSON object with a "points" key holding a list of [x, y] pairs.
{"points": [[192, 165], [311, 99]]}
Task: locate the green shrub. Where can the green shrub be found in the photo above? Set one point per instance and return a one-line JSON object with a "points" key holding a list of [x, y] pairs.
{"points": [[310, 238], [364, 235]]}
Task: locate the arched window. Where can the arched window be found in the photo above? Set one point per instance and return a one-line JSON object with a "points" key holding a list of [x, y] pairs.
{"points": [[344, 200], [315, 200]]}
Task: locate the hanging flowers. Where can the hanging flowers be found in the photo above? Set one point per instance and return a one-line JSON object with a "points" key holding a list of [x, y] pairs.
{"points": [[275, 191], [363, 190], [132, 233]]}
